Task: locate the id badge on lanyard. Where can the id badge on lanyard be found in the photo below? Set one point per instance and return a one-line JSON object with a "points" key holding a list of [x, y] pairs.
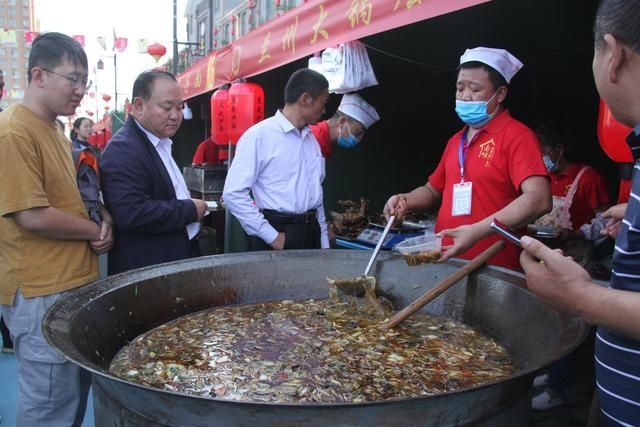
{"points": [[462, 192]]}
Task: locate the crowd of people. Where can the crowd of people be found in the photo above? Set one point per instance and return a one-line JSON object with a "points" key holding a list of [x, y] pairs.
{"points": [[62, 203]]}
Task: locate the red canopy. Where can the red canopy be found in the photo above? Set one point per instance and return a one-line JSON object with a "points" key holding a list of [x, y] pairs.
{"points": [[304, 30]]}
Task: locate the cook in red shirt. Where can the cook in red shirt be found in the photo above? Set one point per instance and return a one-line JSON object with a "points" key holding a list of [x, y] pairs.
{"points": [[493, 164], [348, 125], [206, 153]]}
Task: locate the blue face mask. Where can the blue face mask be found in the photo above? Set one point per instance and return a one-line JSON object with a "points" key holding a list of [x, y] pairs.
{"points": [[350, 141], [474, 113], [549, 164]]}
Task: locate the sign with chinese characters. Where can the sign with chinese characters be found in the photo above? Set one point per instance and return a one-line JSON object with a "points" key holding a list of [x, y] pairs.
{"points": [[304, 30]]}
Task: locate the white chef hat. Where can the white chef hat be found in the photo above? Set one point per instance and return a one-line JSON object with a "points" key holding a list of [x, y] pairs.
{"points": [[357, 108], [498, 59]]}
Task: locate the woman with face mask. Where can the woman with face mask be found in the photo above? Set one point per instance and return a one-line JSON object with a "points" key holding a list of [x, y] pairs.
{"points": [[579, 192]]}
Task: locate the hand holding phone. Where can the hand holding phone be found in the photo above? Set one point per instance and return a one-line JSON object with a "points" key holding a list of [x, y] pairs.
{"points": [[506, 232]]}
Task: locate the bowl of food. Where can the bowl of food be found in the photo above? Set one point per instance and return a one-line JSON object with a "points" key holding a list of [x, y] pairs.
{"points": [[420, 250]]}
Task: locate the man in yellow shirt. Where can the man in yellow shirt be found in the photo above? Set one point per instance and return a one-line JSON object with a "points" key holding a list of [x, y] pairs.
{"points": [[47, 243]]}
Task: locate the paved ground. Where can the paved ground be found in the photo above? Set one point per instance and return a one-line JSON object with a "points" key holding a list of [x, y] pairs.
{"points": [[579, 392]]}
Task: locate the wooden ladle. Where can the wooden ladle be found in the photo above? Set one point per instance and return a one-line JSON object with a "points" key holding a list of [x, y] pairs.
{"points": [[445, 284]]}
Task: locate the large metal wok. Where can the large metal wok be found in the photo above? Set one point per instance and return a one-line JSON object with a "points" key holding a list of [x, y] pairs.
{"points": [[90, 325]]}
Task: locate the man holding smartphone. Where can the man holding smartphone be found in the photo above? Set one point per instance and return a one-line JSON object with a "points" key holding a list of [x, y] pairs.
{"points": [[561, 282]]}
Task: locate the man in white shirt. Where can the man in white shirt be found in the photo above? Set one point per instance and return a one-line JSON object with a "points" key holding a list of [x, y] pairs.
{"points": [[156, 220], [280, 162]]}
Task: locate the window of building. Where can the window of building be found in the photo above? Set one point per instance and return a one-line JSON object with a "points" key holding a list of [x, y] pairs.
{"points": [[16, 84], [3, 21], [11, 2], [25, 9], [12, 12], [3, 51], [26, 24], [12, 22], [15, 74], [14, 53]]}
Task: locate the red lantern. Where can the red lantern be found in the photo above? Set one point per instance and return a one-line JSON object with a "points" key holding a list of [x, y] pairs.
{"points": [[90, 113], [219, 116], [106, 108], [612, 136], [156, 50], [245, 106], [106, 98]]}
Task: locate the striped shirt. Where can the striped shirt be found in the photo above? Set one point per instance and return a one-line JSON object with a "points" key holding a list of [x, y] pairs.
{"points": [[617, 356]]}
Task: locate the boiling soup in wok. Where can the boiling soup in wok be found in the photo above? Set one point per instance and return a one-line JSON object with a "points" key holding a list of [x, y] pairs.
{"points": [[310, 351]]}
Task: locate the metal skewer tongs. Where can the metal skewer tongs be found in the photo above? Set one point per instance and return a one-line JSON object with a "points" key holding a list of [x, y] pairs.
{"points": [[366, 281], [445, 284]]}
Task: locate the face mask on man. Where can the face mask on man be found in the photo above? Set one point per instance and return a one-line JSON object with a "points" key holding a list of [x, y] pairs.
{"points": [[347, 142], [474, 113], [549, 164]]}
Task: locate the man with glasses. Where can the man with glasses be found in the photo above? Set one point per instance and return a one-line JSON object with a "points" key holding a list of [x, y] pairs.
{"points": [[44, 223]]}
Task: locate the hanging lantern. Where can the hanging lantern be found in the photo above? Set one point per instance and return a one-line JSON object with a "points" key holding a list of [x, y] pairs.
{"points": [[612, 136], [157, 51], [245, 106], [90, 113], [219, 116], [106, 97], [106, 108]]}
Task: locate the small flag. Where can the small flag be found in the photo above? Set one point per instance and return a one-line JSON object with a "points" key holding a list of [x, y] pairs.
{"points": [[30, 36], [120, 44], [79, 38], [102, 42], [142, 45], [8, 37]]}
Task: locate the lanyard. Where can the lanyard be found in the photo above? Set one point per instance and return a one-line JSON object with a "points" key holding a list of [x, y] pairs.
{"points": [[461, 150]]}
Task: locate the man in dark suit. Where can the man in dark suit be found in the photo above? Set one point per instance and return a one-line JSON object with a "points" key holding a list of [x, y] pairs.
{"points": [[155, 218]]}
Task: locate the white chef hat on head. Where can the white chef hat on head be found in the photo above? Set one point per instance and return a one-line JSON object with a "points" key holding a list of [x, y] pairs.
{"points": [[357, 108], [498, 59]]}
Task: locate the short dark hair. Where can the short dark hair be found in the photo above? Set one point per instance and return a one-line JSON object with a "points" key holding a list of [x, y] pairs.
{"points": [[144, 81], [620, 18], [495, 77], [304, 80], [49, 50], [552, 134]]}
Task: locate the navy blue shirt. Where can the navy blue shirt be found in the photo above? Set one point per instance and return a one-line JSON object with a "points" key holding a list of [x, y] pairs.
{"points": [[617, 355]]}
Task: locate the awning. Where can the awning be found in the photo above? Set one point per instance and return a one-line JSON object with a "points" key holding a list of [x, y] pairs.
{"points": [[304, 30]]}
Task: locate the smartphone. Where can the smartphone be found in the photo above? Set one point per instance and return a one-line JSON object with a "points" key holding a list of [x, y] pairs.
{"points": [[506, 232]]}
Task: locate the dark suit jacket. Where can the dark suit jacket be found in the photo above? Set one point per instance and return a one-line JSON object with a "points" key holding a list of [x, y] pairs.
{"points": [[150, 223]]}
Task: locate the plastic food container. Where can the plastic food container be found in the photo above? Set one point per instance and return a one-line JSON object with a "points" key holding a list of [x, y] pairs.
{"points": [[420, 250]]}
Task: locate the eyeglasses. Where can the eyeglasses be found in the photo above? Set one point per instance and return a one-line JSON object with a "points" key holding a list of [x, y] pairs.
{"points": [[75, 82]]}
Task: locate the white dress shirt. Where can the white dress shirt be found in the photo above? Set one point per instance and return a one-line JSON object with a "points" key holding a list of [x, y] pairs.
{"points": [[163, 147], [283, 167]]}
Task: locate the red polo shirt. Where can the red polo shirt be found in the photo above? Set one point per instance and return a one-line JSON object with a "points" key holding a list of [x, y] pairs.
{"points": [[321, 132], [502, 155], [590, 194], [206, 153]]}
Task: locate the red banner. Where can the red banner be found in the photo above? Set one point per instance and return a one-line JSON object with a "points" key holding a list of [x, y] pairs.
{"points": [[304, 30]]}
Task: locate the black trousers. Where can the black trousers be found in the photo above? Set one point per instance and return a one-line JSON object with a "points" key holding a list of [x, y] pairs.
{"points": [[301, 231], [6, 337]]}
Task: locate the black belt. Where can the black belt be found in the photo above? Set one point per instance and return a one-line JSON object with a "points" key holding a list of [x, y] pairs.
{"points": [[309, 216]]}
